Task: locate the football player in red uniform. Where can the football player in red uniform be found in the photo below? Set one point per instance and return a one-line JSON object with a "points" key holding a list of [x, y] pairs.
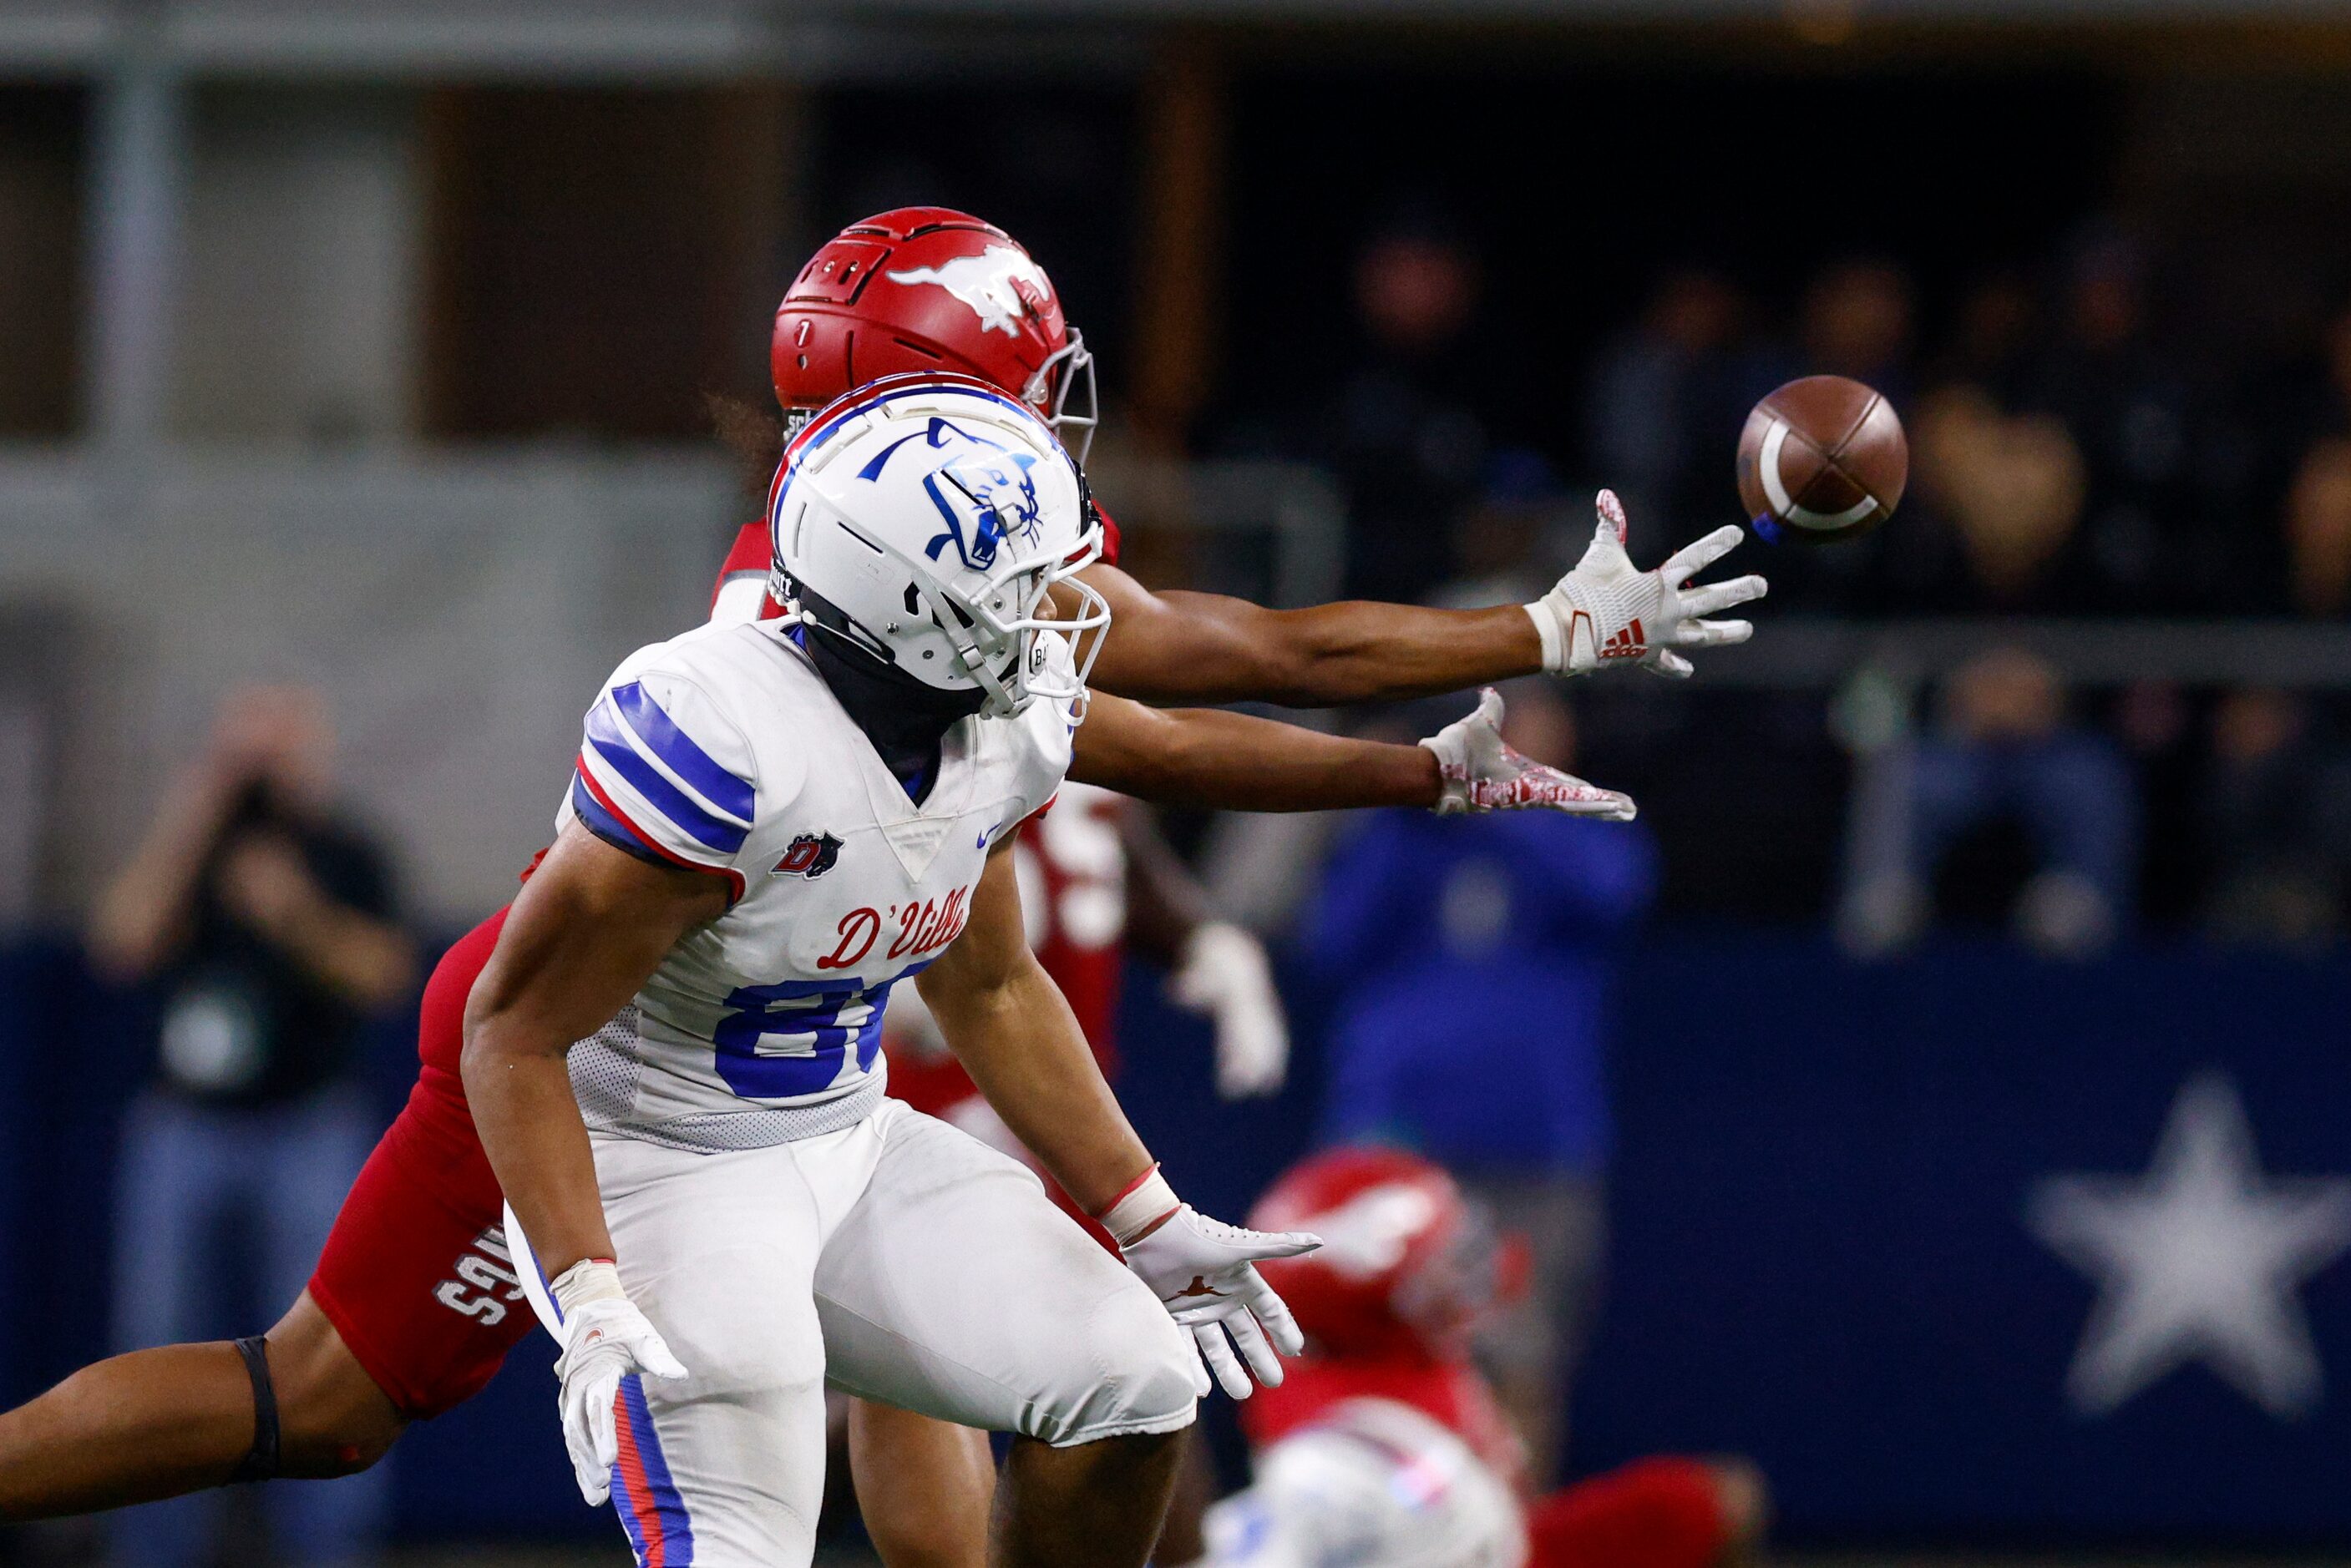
{"points": [[414, 1303], [1384, 1448]]}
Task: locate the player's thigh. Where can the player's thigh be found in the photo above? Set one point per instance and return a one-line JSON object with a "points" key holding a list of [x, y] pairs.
{"points": [[719, 1251], [956, 1289], [416, 1277]]}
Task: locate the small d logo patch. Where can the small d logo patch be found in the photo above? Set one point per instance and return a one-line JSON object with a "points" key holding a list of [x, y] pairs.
{"points": [[811, 854]]}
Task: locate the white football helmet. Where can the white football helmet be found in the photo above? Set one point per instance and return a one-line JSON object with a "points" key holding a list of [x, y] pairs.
{"points": [[931, 513]]}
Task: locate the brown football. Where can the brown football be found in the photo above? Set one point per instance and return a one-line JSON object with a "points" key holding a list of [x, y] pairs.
{"points": [[1822, 459]]}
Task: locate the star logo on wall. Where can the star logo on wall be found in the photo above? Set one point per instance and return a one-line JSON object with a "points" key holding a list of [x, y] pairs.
{"points": [[2199, 1260]]}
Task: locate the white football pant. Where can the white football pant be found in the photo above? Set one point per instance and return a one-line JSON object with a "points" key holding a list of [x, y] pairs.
{"points": [[899, 1259]]}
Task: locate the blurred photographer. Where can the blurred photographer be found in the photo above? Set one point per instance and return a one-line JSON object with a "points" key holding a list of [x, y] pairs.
{"points": [[263, 920]]}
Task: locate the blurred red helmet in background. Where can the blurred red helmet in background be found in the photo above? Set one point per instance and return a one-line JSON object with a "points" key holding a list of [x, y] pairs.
{"points": [[1406, 1264], [931, 289]]}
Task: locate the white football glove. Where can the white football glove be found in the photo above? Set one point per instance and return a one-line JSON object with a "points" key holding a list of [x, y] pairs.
{"points": [[1203, 1272], [1607, 612], [1481, 772], [605, 1339], [1224, 974]]}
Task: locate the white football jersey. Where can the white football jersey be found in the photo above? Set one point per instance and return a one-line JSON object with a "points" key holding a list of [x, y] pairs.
{"points": [[725, 749], [1371, 1484]]}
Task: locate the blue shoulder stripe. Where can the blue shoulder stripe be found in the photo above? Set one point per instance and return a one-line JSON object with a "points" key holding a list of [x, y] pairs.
{"points": [[676, 748], [610, 828], [681, 809]]}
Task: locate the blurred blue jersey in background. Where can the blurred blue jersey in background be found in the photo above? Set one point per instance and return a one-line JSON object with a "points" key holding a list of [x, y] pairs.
{"points": [[1475, 957]]}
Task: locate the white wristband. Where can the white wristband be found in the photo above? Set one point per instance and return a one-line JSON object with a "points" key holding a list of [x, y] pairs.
{"points": [[1142, 1207], [589, 1280], [1547, 628]]}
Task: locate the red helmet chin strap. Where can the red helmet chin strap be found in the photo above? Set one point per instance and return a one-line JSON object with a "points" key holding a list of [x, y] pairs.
{"points": [[925, 290]]}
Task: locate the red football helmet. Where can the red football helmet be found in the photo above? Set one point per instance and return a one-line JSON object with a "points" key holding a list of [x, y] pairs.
{"points": [[1407, 1262], [927, 288]]}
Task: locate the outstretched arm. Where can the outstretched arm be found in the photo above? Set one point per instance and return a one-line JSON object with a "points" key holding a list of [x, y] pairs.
{"points": [[1182, 647], [1205, 648], [1214, 760]]}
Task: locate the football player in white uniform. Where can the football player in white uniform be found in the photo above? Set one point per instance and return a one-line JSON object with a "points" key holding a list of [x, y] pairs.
{"points": [[771, 825], [378, 1340]]}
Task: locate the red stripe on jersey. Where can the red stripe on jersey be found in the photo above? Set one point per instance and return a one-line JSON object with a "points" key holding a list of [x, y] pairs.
{"points": [[637, 1487], [734, 877]]}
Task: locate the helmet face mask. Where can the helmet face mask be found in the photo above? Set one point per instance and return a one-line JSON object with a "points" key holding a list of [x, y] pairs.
{"points": [[935, 515], [1063, 390], [998, 634]]}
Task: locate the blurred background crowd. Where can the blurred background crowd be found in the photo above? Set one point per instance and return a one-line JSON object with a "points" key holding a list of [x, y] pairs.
{"points": [[359, 375]]}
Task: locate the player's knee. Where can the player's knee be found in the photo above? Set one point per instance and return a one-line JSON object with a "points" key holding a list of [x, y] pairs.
{"points": [[1138, 1370], [332, 1419], [329, 1427], [328, 1453]]}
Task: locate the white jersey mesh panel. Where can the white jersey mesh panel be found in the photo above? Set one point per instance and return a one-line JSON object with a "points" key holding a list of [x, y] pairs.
{"points": [[605, 1070]]}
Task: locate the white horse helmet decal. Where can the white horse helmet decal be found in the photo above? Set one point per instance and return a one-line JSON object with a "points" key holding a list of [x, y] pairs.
{"points": [[988, 282]]}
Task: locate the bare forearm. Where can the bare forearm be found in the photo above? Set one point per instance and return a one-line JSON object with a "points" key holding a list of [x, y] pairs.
{"points": [[1213, 760], [1022, 1047], [1328, 655], [530, 1127]]}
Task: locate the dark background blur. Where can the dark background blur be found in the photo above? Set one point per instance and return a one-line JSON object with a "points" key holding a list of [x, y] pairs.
{"points": [[369, 346]]}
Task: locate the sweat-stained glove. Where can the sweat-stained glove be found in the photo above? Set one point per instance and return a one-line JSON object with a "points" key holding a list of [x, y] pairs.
{"points": [[1607, 612], [1203, 1272], [605, 1339], [1481, 772], [1223, 974]]}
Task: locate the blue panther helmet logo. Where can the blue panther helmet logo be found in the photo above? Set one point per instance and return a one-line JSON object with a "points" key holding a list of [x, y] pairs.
{"points": [[996, 482], [993, 483]]}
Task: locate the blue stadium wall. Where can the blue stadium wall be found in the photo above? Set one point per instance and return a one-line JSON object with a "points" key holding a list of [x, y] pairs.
{"points": [[1822, 1252]]}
